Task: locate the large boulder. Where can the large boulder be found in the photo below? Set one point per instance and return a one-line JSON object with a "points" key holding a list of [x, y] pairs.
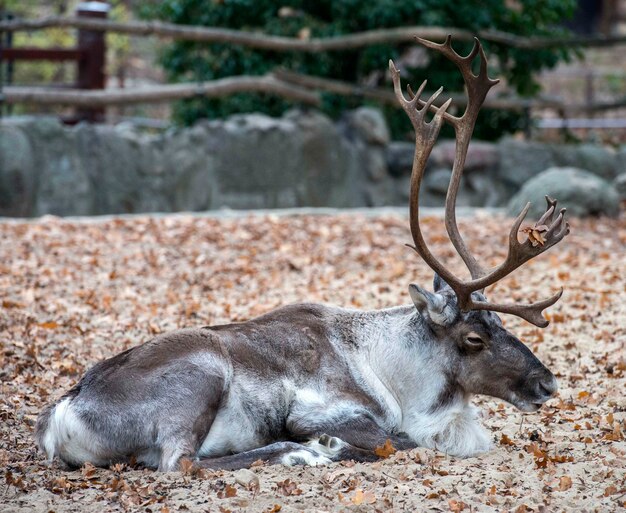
{"points": [[480, 155], [65, 186], [368, 124], [594, 158], [521, 160], [582, 192], [399, 156], [620, 186], [300, 159], [18, 172]]}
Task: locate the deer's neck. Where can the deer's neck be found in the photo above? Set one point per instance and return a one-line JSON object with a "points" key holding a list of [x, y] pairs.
{"points": [[414, 361], [404, 355], [412, 374]]}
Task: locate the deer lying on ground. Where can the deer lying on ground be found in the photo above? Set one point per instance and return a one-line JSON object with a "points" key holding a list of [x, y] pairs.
{"points": [[310, 384]]}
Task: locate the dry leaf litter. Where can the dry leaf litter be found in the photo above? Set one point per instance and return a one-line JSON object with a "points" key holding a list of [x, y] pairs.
{"points": [[75, 292]]}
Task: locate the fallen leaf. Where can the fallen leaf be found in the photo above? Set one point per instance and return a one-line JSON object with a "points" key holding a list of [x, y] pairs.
{"points": [[386, 450], [186, 466], [288, 487], [361, 497], [88, 471], [505, 440], [49, 325], [456, 506], [565, 483]]}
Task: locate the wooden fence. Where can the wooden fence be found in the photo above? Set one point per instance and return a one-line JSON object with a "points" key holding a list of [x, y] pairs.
{"points": [[91, 97], [89, 56]]}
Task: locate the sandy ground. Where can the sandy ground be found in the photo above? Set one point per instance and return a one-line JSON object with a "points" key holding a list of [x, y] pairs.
{"points": [[73, 293]]}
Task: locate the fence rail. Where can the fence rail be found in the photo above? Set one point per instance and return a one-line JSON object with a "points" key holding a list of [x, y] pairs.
{"points": [[312, 45], [160, 93], [293, 86]]}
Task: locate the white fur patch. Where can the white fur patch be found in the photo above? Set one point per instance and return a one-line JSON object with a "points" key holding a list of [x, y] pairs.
{"points": [[308, 397], [455, 430], [330, 450], [303, 456], [68, 437], [231, 431]]}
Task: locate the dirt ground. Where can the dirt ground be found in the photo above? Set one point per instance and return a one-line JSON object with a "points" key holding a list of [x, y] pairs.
{"points": [[75, 292]]}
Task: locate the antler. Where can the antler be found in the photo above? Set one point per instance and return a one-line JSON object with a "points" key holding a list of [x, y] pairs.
{"points": [[542, 236]]}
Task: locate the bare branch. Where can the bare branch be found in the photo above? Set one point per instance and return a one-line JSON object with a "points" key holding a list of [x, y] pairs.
{"points": [[161, 93], [285, 44]]}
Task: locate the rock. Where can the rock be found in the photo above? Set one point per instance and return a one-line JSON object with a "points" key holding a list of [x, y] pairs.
{"points": [[427, 199], [399, 156], [582, 192], [254, 161], [591, 157], [65, 186], [192, 169], [112, 165], [376, 164], [485, 188], [300, 159], [480, 155], [521, 160], [437, 180], [621, 160], [369, 124], [18, 173], [248, 479], [620, 186]]}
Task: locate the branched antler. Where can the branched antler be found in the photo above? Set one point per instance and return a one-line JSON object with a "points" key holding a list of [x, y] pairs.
{"points": [[545, 233]]}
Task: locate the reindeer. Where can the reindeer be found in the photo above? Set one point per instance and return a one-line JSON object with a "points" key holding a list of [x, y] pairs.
{"points": [[310, 384]]}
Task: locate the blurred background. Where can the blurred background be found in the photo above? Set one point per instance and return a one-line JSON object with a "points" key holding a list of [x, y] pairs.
{"points": [[190, 105]]}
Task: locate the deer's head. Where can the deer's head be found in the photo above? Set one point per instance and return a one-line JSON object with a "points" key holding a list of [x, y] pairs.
{"points": [[484, 357]]}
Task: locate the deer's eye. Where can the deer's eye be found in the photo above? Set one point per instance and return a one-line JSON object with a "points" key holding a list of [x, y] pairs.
{"points": [[473, 342]]}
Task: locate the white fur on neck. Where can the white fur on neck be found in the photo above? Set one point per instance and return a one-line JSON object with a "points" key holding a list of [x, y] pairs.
{"points": [[416, 369], [455, 429]]}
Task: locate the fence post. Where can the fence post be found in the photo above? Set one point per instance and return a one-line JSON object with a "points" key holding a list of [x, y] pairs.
{"points": [[91, 67]]}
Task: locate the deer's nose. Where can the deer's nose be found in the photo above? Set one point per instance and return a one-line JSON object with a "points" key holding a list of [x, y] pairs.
{"points": [[548, 385]]}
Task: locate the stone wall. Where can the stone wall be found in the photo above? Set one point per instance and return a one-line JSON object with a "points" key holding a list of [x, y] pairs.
{"points": [[254, 161]]}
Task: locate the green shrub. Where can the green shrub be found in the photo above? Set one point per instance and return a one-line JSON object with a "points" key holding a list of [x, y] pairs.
{"points": [[191, 61]]}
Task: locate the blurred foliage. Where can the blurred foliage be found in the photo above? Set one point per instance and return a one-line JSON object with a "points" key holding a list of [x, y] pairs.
{"points": [[118, 45], [190, 61], [45, 72], [37, 72]]}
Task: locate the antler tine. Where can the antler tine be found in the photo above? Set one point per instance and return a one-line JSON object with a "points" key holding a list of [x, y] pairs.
{"points": [[433, 108], [518, 254], [547, 217], [531, 313]]}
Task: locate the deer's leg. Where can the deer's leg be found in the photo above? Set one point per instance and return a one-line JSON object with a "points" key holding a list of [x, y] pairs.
{"points": [[357, 429], [339, 450], [285, 453], [188, 418]]}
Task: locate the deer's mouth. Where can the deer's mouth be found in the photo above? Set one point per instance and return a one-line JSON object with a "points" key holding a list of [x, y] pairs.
{"points": [[528, 406]]}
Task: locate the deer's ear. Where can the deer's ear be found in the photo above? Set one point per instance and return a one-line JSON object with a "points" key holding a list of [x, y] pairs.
{"points": [[431, 305], [439, 284]]}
